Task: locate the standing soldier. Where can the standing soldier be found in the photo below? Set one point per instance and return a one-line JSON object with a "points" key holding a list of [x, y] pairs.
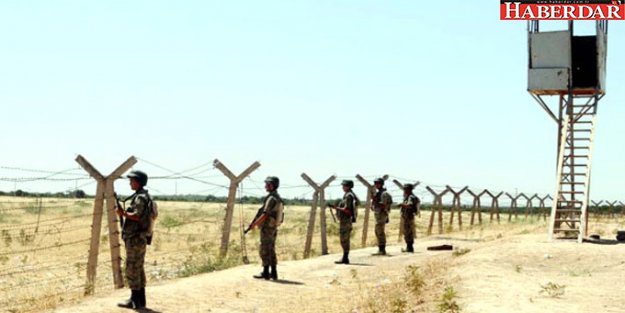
{"points": [[135, 230], [346, 213], [409, 208], [381, 205], [271, 219]]}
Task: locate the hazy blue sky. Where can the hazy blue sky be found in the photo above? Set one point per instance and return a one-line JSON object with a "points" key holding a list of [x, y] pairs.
{"points": [[430, 91]]}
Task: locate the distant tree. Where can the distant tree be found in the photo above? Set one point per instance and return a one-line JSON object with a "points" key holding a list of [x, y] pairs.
{"points": [[78, 193], [211, 198]]}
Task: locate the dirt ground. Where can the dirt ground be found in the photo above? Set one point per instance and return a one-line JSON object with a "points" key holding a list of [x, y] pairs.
{"points": [[505, 269], [509, 275]]}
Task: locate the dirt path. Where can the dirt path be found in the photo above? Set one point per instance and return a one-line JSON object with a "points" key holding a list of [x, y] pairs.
{"points": [[496, 275], [313, 285]]}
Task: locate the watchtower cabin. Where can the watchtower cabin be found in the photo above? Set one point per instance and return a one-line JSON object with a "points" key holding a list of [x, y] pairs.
{"points": [[572, 69]]}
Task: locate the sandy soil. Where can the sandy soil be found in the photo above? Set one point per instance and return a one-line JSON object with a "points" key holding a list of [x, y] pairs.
{"points": [[508, 275], [506, 270]]}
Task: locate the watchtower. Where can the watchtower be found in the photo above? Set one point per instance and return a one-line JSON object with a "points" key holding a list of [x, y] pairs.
{"points": [[573, 69]]}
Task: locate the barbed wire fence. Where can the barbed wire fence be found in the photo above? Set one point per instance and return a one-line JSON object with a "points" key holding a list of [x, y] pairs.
{"points": [[47, 241], [40, 251]]}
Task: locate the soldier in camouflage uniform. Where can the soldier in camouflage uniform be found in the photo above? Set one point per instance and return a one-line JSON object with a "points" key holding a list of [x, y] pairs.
{"points": [[134, 232], [269, 229], [346, 213], [381, 205], [409, 208]]}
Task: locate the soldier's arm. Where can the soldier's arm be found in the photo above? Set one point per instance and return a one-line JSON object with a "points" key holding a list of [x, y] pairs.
{"points": [[271, 206], [374, 199], [387, 200], [348, 205], [418, 206], [138, 211], [349, 202]]}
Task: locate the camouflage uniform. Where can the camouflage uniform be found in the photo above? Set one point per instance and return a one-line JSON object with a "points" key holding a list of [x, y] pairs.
{"points": [[382, 204], [408, 211], [269, 229], [346, 220], [134, 235]]}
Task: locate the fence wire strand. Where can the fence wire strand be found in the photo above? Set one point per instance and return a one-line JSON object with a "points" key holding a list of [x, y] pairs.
{"points": [[177, 253]]}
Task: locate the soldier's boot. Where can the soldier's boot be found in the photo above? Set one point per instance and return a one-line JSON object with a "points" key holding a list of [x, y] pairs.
{"points": [[344, 260], [381, 250], [274, 272], [409, 248], [264, 274], [142, 302], [131, 303]]}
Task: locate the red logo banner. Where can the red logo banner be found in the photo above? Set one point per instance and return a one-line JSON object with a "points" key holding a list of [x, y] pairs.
{"points": [[562, 10]]}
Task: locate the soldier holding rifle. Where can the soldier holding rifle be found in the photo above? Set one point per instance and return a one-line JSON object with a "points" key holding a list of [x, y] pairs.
{"points": [[268, 218], [135, 232], [381, 205], [346, 212], [409, 208]]}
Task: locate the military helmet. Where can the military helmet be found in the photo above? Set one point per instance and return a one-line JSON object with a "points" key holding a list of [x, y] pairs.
{"points": [[379, 180], [348, 183], [140, 176], [408, 187], [273, 180]]}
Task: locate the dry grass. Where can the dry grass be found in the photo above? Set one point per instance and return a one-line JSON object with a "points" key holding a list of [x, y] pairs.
{"points": [[186, 243], [421, 288]]}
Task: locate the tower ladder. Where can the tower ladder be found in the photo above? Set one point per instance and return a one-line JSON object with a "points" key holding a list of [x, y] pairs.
{"points": [[569, 210]]}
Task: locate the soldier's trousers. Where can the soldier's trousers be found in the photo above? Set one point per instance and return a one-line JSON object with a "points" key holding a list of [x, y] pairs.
{"points": [[267, 249], [408, 228], [380, 222], [135, 258], [345, 231]]}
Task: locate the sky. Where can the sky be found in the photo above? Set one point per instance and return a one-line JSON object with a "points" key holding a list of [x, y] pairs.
{"points": [[434, 92]]}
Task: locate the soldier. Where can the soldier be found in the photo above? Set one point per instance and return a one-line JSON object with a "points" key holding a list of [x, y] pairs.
{"points": [[409, 208], [137, 219], [346, 213], [381, 205], [272, 207]]}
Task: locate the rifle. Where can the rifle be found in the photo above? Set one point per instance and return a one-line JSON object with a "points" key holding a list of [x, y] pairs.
{"points": [[119, 207], [332, 212], [405, 207], [333, 206], [258, 219]]}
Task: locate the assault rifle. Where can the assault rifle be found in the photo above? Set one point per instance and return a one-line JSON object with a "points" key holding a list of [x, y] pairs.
{"points": [[344, 210], [332, 212], [260, 217], [119, 207], [405, 208]]}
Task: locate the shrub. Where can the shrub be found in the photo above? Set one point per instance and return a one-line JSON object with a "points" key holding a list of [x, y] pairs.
{"points": [[460, 252], [414, 279], [448, 304], [553, 290], [169, 221]]}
